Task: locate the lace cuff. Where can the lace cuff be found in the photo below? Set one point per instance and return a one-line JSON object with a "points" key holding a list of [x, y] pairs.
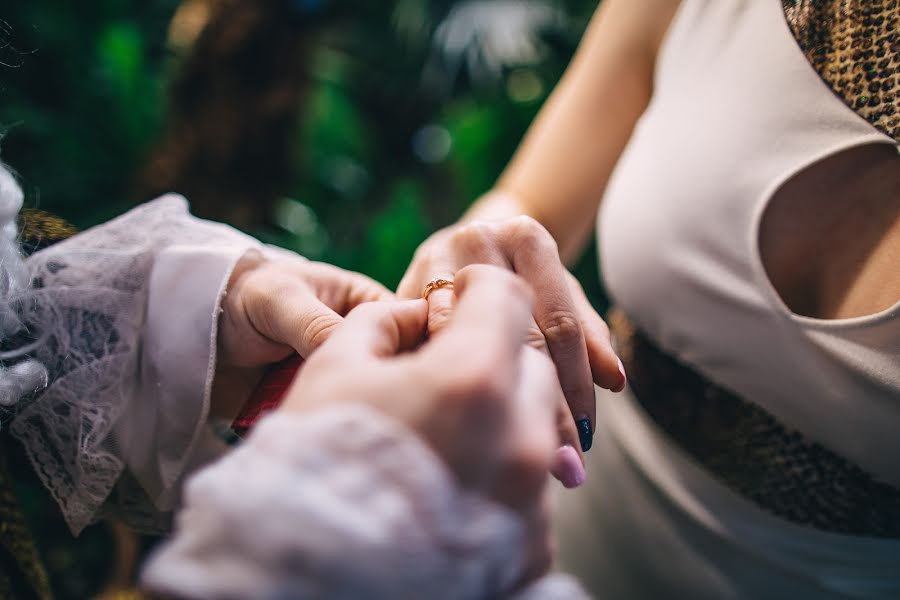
{"points": [[126, 314], [340, 503]]}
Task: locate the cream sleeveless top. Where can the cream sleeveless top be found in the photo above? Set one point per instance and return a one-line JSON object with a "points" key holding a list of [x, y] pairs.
{"points": [[737, 112]]}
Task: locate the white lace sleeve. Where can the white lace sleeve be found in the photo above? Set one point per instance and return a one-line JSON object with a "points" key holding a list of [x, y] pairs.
{"points": [[126, 314], [343, 503]]}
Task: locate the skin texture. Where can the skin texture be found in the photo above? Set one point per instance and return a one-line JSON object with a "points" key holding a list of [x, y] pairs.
{"points": [[563, 325], [841, 260], [477, 394], [275, 307], [831, 249], [830, 238], [535, 219]]}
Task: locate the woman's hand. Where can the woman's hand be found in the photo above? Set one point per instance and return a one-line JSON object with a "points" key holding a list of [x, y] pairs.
{"points": [[477, 394], [564, 323], [273, 307]]}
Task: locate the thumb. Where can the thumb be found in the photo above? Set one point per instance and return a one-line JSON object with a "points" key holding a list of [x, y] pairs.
{"points": [[379, 329], [286, 311]]}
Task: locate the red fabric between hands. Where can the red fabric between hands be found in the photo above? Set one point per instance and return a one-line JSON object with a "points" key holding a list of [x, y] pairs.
{"points": [[268, 394]]}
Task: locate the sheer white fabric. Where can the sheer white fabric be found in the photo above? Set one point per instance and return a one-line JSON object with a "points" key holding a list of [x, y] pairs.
{"points": [[342, 503], [22, 376], [126, 315]]}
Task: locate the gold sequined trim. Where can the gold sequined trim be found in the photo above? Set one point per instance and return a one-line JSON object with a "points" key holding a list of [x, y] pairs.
{"points": [[854, 46], [746, 448]]}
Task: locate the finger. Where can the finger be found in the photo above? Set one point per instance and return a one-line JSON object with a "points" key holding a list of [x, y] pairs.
{"points": [[535, 339], [474, 364], [568, 461], [606, 368], [444, 254], [440, 301], [539, 379], [535, 257], [529, 440], [285, 310], [440, 307], [342, 290], [379, 329], [490, 321]]}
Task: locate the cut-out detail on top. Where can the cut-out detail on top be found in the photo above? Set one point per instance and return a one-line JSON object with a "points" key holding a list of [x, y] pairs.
{"points": [[826, 238]]}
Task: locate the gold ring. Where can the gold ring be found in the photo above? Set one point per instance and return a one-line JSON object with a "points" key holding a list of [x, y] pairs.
{"points": [[436, 284]]}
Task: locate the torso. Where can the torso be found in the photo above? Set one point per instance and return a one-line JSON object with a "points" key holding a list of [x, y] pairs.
{"points": [[830, 238], [752, 229]]}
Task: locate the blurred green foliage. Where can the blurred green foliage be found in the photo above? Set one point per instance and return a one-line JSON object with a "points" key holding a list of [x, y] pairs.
{"points": [[414, 108], [405, 123]]}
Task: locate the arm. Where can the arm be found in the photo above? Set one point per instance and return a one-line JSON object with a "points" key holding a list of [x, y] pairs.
{"points": [[555, 182], [150, 325], [560, 170], [126, 315], [423, 475]]}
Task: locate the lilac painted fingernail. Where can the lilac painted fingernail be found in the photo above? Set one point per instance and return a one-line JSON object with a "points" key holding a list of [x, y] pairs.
{"points": [[624, 376], [569, 468]]}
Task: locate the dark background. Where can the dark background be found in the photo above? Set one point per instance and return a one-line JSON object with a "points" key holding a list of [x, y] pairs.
{"points": [[347, 131]]}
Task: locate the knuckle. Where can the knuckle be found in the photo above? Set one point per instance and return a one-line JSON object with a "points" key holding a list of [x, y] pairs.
{"points": [[439, 317], [561, 326], [320, 328], [472, 239], [527, 224], [531, 235], [506, 281], [535, 338], [470, 235]]}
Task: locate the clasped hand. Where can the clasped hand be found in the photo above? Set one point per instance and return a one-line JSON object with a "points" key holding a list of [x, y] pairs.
{"points": [[278, 306]]}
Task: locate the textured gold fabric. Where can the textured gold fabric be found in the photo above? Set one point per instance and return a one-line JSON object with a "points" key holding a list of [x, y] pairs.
{"points": [[746, 448], [39, 229], [854, 45], [22, 573]]}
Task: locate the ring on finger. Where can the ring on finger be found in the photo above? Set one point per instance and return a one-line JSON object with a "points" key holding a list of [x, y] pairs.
{"points": [[436, 284]]}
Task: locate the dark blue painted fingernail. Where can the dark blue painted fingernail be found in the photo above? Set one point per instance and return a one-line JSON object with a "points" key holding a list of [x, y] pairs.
{"points": [[585, 434]]}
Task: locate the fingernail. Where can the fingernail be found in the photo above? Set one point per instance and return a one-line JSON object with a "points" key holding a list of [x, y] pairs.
{"points": [[569, 468], [585, 434], [624, 376]]}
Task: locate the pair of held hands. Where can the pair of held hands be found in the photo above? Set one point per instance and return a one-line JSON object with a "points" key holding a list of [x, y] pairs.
{"points": [[470, 370]]}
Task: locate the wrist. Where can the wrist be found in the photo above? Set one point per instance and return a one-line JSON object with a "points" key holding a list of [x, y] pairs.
{"points": [[497, 205]]}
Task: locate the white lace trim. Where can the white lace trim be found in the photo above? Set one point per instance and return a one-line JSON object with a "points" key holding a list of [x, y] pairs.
{"points": [[101, 417]]}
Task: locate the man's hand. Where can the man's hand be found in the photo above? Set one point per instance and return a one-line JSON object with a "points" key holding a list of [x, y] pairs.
{"points": [[276, 307], [477, 394]]}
